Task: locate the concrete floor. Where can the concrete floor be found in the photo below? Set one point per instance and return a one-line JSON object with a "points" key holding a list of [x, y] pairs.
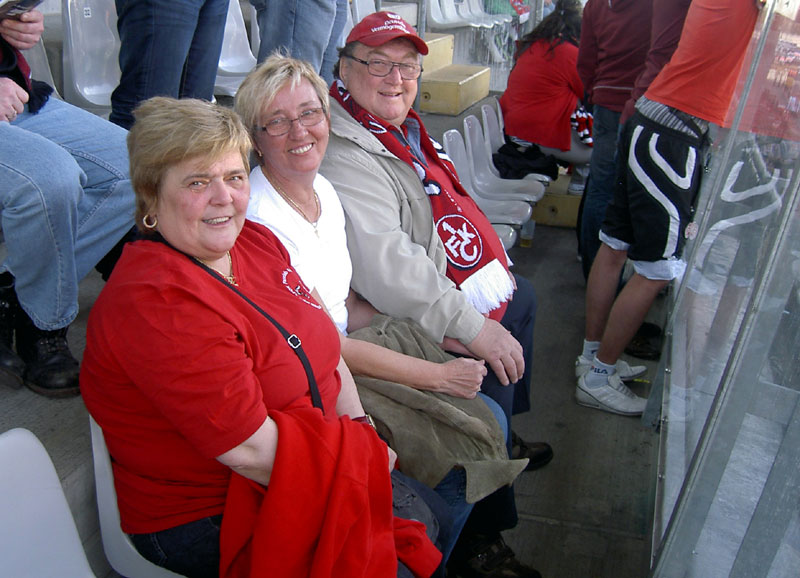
{"points": [[585, 515]]}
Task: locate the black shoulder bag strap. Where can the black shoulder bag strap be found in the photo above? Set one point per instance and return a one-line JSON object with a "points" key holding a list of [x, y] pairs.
{"points": [[292, 339]]}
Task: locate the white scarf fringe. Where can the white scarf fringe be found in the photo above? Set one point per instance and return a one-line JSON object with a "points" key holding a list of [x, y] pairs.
{"points": [[487, 288]]}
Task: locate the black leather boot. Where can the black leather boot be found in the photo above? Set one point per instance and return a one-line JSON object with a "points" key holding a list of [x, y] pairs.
{"points": [[50, 368], [12, 368]]}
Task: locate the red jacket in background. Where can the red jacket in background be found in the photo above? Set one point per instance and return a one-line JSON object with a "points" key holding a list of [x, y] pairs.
{"points": [[543, 90]]}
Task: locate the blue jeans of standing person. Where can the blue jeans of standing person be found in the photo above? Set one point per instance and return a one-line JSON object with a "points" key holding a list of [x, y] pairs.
{"points": [[65, 200], [307, 29], [603, 177], [168, 48]]}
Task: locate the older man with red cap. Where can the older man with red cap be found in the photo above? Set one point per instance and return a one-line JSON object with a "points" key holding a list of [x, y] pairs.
{"points": [[421, 249]]}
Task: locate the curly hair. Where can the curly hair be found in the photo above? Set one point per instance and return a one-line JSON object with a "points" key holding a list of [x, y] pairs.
{"points": [[562, 25]]}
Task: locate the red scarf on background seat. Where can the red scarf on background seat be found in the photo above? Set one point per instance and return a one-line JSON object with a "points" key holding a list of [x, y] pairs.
{"points": [[476, 260]]}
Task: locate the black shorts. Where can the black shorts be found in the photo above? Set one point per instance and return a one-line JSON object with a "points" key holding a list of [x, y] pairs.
{"points": [[658, 177]]}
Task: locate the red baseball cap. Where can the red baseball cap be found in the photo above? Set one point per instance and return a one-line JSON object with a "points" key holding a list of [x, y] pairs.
{"points": [[379, 28]]}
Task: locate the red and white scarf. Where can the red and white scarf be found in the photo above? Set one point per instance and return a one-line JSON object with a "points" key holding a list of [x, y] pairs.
{"points": [[476, 260]]}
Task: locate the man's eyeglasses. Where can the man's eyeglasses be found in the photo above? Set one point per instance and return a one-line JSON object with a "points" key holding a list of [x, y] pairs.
{"points": [[381, 68], [281, 126]]}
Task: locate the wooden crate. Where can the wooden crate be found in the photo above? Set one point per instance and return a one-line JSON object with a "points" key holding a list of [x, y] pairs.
{"points": [[440, 51], [453, 89], [557, 210]]}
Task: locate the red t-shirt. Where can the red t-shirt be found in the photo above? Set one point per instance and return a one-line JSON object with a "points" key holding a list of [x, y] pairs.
{"points": [[701, 76], [178, 369], [542, 93]]}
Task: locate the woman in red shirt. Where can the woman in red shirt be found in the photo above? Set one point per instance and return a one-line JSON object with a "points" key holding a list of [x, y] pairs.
{"points": [[192, 383], [544, 91]]}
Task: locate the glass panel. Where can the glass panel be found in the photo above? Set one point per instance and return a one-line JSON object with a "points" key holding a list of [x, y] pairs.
{"points": [[729, 483]]}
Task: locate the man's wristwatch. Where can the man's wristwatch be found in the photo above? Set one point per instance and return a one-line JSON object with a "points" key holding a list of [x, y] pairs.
{"points": [[367, 419]]}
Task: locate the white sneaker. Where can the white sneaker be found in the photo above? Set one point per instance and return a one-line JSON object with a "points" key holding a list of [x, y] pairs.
{"points": [[614, 396], [625, 371]]}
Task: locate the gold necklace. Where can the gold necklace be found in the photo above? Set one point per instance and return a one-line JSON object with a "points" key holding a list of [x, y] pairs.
{"points": [[289, 200], [229, 278]]}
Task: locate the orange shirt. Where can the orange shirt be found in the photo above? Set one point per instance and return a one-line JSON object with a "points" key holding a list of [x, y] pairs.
{"points": [[701, 76]]}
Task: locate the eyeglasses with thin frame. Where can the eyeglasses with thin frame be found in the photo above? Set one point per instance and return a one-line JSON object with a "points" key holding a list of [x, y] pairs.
{"points": [[281, 125], [383, 68]]}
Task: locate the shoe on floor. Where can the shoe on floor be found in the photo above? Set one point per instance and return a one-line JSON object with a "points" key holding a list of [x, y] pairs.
{"points": [[614, 396], [538, 453], [50, 368], [646, 344], [625, 371], [12, 368], [488, 557]]}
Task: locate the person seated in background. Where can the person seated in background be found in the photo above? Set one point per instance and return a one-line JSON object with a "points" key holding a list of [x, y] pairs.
{"points": [[213, 373], [542, 100], [421, 249], [286, 105], [65, 202]]}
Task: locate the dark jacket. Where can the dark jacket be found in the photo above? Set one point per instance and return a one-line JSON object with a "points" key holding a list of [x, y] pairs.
{"points": [[615, 38], [14, 66]]}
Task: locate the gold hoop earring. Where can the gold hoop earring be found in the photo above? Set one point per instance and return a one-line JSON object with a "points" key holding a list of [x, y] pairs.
{"points": [[152, 224]]}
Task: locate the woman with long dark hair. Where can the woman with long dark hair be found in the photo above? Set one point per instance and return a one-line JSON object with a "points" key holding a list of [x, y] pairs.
{"points": [[544, 91]]}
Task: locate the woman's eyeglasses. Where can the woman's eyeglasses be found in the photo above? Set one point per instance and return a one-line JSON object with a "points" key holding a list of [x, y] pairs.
{"points": [[381, 68], [281, 126]]}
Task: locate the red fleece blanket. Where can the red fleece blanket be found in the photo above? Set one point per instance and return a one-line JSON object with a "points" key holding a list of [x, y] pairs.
{"points": [[327, 512]]}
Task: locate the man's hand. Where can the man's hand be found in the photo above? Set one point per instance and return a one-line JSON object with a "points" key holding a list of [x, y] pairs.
{"points": [[501, 351], [12, 99], [25, 32]]}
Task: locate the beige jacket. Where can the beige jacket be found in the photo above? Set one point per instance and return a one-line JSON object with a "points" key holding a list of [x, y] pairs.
{"points": [[398, 259]]}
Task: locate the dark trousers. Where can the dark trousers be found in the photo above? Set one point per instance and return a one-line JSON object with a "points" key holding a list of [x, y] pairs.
{"points": [[498, 511]]}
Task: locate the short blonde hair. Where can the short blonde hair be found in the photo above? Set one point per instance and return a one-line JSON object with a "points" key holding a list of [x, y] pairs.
{"points": [[274, 74], [169, 131]]}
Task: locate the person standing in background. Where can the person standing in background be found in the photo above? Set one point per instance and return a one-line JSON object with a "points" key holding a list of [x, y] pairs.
{"points": [[308, 30], [167, 49], [664, 146], [615, 37]]}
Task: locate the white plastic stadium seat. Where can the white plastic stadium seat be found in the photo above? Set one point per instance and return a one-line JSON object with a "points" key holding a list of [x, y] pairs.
{"points": [[472, 10], [38, 536], [437, 20], [91, 53], [507, 234], [461, 8], [450, 14], [255, 32], [121, 554], [498, 212], [494, 139], [36, 56], [362, 8], [236, 59], [487, 183]]}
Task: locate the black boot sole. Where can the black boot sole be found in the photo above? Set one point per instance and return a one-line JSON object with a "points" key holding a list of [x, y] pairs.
{"points": [[10, 379], [54, 393]]}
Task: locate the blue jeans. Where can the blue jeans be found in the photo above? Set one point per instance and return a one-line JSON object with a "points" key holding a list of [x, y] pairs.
{"points": [[168, 49], [307, 29], [189, 549], [602, 181], [65, 200]]}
